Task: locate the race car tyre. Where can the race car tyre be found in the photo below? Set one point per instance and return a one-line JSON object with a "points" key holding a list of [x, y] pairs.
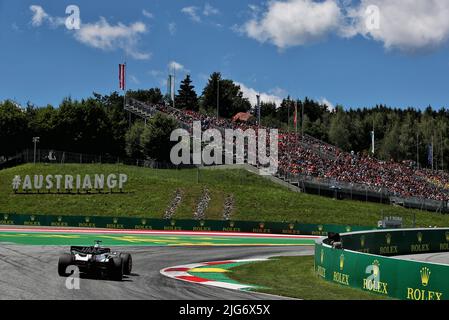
{"points": [[127, 263], [117, 271], [65, 260]]}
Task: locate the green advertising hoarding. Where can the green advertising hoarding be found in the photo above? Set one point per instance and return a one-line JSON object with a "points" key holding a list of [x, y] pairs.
{"points": [[397, 242], [383, 275], [173, 224]]}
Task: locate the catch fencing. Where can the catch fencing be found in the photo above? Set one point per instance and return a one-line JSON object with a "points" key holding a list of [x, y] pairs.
{"points": [[61, 157]]}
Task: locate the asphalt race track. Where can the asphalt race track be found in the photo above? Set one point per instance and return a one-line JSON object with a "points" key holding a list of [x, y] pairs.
{"points": [[440, 257], [30, 272]]}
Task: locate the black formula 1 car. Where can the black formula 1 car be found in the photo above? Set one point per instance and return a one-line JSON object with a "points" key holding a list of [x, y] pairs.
{"points": [[96, 260]]}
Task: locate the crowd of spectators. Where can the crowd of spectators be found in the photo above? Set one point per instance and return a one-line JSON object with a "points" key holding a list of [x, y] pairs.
{"points": [[203, 204], [170, 212], [398, 178], [310, 157], [228, 207]]}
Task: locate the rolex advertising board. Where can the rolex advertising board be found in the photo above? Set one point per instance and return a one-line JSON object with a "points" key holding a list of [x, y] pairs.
{"points": [[143, 223], [396, 242], [393, 277]]}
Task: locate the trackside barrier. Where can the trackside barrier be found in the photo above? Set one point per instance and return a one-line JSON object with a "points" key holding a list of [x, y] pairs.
{"points": [[365, 262], [174, 225]]}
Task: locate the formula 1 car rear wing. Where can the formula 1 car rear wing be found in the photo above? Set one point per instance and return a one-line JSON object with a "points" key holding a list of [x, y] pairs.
{"points": [[89, 250]]}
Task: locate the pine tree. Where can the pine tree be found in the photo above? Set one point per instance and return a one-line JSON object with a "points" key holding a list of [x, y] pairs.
{"points": [[186, 97], [339, 130], [230, 96]]}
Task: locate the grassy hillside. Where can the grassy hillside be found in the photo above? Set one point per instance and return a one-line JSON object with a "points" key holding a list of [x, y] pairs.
{"points": [[149, 192]]}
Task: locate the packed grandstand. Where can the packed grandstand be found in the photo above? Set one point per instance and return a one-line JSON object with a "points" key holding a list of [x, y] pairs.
{"points": [[306, 156]]}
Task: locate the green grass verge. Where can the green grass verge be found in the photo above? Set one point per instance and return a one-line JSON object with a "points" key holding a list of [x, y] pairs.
{"points": [[149, 192], [295, 277]]}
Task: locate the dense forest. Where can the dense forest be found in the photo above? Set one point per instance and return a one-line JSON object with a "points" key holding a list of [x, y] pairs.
{"points": [[99, 125]]}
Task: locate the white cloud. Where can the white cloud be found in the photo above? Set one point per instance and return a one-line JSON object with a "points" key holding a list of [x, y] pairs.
{"points": [[254, 8], [101, 34], [251, 94], [195, 12], [294, 22], [330, 105], [278, 92], [172, 28], [105, 36], [209, 10], [40, 16], [192, 12], [406, 25], [173, 65], [147, 14]]}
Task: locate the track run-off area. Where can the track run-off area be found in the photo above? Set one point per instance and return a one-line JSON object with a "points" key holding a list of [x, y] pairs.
{"points": [[64, 237], [29, 258]]}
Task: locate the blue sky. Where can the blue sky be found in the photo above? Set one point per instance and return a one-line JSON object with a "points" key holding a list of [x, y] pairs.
{"points": [[322, 49]]}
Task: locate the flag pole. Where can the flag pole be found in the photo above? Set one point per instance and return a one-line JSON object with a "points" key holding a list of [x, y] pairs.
{"points": [[417, 149], [124, 93], [373, 140], [174, 85], [296, 117], [302, 121], [296, 120], [432, 153], [442, 152]]}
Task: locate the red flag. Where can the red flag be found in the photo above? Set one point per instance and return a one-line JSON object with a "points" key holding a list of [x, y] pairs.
{"points": [[121, 76]]}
